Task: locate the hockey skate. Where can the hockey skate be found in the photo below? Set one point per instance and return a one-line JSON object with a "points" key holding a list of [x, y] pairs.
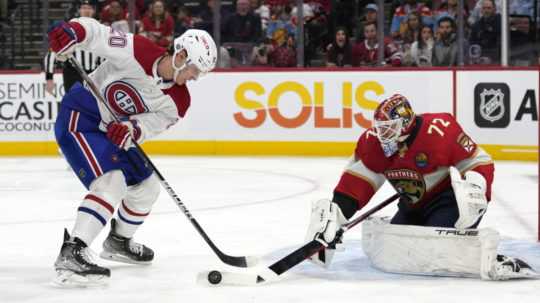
{"points": [[74, 266], [506, 268], [125, 250]]}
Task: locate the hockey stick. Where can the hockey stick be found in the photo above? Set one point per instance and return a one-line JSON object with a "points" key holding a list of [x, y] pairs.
{"points": [[294, 258], [239, 261]]}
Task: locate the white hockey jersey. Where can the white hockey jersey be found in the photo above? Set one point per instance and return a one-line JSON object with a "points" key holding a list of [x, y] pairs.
{"points": [[128, 78]]}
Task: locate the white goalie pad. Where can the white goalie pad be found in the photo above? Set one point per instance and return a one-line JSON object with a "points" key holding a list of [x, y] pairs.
{"points": [[429, 250]]}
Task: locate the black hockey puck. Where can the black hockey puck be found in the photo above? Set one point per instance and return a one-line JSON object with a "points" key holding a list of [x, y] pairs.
{"points": [[214, 277]]}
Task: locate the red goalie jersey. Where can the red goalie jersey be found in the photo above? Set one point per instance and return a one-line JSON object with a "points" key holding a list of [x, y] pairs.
{"points": [[419, 170]]}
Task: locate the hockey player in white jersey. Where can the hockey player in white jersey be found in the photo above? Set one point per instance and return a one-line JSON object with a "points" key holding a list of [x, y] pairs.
{"points": [[144, 85]]}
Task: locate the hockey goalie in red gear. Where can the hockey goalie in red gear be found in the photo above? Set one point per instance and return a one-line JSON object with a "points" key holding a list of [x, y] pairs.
{"points": [[444, 180]]}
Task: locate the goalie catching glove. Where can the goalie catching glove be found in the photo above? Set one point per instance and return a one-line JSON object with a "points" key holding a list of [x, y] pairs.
{"points": [[470, 196], [326, 220]]}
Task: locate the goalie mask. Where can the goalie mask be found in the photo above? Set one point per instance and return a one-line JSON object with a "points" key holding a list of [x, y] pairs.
{"points": [[393, 122], [200, 49]]}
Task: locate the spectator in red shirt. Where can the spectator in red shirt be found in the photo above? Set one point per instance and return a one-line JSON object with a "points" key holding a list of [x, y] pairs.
{"points": [[113, 12], [158, 25], [139, 5], [284, 53], [365, 52]]}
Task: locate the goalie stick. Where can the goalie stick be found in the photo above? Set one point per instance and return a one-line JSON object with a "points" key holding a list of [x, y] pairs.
{"points": [[238, 261], [297, 256]]}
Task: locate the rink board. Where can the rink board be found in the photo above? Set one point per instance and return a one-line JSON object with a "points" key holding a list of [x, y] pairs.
{"points": [[301, 112]]}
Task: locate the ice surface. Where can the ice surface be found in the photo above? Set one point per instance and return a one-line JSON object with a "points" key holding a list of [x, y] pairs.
{"points": [[248, 206]]}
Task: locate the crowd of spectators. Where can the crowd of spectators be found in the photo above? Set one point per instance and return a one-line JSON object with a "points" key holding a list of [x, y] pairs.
{"points": [[264, 32]]}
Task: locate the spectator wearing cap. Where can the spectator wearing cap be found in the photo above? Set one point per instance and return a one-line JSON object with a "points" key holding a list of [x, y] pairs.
{"points": [[243, 26], [369, 16], [158, 25], [339, 52], [88, 61], [486, 33], [402, 11]]}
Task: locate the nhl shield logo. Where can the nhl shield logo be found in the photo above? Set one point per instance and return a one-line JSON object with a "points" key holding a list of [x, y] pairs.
{"points": [[492, 105]]}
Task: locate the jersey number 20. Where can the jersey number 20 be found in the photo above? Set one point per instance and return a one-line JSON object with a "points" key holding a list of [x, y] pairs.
{"points": [[117, 39]]}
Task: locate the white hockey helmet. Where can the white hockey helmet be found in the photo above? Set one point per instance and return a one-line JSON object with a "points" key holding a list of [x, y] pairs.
{"points": [[200, 48]]}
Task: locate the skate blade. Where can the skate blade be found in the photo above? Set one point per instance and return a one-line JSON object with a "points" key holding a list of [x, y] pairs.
{"points": [[122, 259], [70, 279], [524, 273], [527, 273]]}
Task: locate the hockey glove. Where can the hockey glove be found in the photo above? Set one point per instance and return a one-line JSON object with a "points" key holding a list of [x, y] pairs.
{"points": [[326, 220], [122, 133], [62, 39], [470, 196]]}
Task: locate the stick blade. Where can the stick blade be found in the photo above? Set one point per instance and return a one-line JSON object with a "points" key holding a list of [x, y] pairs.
{"points": [[245, 261]]}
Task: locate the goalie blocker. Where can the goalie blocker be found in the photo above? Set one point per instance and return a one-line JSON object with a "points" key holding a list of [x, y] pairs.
{"points": [[439, 251]]}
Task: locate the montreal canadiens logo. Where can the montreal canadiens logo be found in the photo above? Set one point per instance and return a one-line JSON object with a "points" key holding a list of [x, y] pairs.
{"points": [[124, 99]]}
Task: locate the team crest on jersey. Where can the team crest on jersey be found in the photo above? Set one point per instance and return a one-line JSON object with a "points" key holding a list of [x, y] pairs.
{"points": [[466, 142], [421, 160], [407, 182], [124, 99]]}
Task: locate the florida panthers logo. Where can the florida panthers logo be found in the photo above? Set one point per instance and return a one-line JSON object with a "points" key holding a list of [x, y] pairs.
{"points": [[124, 99], [407, 182]]}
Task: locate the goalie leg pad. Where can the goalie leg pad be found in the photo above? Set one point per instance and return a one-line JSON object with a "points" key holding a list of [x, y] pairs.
{"points": [[428, 250]]}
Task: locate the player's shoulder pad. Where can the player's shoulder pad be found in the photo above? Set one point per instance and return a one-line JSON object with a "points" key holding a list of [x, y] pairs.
{"points": [[433, 118], [369, 150], [444, 121], [146, 52], [428, 117]]}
